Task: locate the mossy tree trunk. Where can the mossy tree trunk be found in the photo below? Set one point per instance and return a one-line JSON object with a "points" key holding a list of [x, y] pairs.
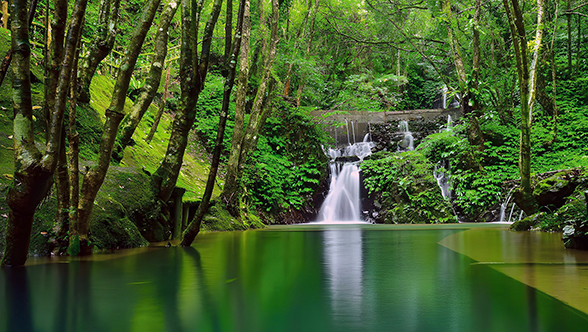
{"points": [[470, 106], [231, 187], [527, 75], [8, 57], [33, 170], [258, 111], [193, 70], [54, 57], [248, 139], [161, 108], [149, 89], [93, 179], [230, 65], [103, 43]]}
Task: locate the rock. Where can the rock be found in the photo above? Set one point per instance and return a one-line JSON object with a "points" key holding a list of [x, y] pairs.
{"points": [[527, 223], [553, 191], [347, 159]]}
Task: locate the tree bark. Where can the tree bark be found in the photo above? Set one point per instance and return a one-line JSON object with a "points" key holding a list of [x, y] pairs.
{"points": [[161, 107], [527, 86], [193, 227], [258, 115], [8, 56], [5, 14], [149, 89], [103, 43], [231, 187], [32, 174], [55, 58], [192, 75], [93, 179]]}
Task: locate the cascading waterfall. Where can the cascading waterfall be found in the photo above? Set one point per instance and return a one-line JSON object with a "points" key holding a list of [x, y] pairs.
{"points": [[441, 172], [342, 204], [504, 208], [407, 142]]}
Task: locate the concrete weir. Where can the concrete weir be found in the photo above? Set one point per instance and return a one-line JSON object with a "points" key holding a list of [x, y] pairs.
{"points": [[356, 124]]}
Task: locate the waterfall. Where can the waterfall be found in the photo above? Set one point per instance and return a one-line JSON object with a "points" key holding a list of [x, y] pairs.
{"points": [[444, 93], [347, 124], [441, 174], [504, 206], [407, 143], [353, 131], [342, 204]]}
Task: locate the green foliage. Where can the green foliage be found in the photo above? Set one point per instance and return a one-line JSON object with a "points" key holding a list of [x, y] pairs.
{"points": [[405, 185], [288, 164]]}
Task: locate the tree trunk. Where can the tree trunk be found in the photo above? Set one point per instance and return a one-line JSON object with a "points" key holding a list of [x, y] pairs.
{"points": [[55, 58], [231, 187], [5, 15], [309, 34], [192, 75], [230, 68], [79, 242], [102, 45], [258, 115], [8, 56], [527, 86], [149, 89], [74, 151], [32, 174], [161, 107]]}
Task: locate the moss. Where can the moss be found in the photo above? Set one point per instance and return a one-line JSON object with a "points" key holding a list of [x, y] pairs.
{"points": [[219, 219], [126, 197], [527, 223]]}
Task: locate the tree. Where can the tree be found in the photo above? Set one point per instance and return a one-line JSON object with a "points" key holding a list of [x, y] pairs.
{"points": [[246, 140], [33, 170], [94, 177], [527, 74], [230, 67], [193, 70], [101, 47], [147, 93]]}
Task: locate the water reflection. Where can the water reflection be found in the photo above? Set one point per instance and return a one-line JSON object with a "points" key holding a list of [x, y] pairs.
{"points": [[344, 269], [339, 278]]}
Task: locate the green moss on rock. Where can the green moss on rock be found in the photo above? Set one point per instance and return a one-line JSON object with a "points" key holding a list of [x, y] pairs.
{"points": [[528, 222]]}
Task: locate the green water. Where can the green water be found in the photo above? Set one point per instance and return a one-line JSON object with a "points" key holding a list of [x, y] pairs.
{"points": [[355, 278]]}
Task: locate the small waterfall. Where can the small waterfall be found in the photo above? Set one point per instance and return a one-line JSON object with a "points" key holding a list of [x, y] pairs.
{"points": [[513, 206], [441, 174], [347, 124], [407, 143], [449, 124], [444, 94], [504, 206], [342, 204], [353, 131]]}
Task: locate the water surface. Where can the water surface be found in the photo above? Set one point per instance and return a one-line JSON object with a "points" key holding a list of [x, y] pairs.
{"points": [[312, 278]]}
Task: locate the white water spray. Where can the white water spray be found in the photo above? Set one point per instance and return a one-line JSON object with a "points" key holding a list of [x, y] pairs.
{"points": [[342, 204], [407, 143]]}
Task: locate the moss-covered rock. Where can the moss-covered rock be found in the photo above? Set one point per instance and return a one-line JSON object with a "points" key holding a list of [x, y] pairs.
{"points": [[528, 222], [219, 219], [125, 207], [552, 192]]}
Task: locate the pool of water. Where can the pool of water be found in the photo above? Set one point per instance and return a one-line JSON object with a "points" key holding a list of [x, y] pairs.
{"points": [[312, 278]]}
